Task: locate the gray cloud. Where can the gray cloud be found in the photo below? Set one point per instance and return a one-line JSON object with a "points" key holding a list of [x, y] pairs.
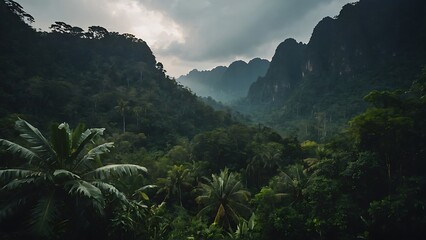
{"points": [[220, 29], [186, 34]]}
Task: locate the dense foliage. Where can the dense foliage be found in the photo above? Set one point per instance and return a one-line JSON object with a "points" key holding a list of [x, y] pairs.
{"points": [[169, 167], [62, 186], [98, 77]]}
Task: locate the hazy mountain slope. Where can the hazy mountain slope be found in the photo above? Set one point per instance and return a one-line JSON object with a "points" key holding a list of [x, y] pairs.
{"points": [[370, 45], [225, 83]]}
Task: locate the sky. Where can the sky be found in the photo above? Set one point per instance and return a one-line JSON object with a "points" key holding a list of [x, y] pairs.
{"points": [[194, 34]]}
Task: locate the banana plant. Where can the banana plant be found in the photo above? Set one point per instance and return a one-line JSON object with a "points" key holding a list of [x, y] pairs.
{"points": [[62, 179]]}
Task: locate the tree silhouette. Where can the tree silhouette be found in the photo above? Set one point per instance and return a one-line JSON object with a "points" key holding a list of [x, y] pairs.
{"points": [[122, 107]]}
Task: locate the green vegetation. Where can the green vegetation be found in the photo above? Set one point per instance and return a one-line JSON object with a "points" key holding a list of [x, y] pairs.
{"points": [[97, 77], [61, 186], [169, 167]]}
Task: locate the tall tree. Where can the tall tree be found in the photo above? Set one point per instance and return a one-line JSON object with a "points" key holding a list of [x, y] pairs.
{"points": [[177, 178], [292, 182], [225, 198], [137, 111], [17, 9], [122, 107], [63, 183]]}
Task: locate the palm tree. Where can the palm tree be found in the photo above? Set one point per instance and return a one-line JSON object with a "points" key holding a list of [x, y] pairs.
{"points": [[266, 159], [122, 107], [225, 198], [137, 111], [292, 182], [177, 178], [63, 182]]}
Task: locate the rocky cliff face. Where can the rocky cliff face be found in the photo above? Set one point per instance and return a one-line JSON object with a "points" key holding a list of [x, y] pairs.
{"points": [[285, 73], [367, 36], [371, 44]]}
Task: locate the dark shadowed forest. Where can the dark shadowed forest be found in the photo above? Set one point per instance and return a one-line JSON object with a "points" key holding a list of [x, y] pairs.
{"points": [[327, 141]]}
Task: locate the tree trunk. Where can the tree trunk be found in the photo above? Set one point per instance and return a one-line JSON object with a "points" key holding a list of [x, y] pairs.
{"points": [[124, 123]]}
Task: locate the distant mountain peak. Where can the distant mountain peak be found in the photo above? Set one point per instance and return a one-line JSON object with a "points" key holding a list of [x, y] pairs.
{"points": [[226, 83], [371, 44]]}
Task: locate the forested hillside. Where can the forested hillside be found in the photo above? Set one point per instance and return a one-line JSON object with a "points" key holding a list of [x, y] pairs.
{"points": [[96, 142], [98, 77], [370, 45], [225, 84]]}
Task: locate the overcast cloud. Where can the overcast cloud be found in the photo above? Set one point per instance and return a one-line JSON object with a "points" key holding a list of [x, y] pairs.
{"points": [[188, 34]]}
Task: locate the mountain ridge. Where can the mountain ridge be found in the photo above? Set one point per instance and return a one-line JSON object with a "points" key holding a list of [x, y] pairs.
{"points": [[225, 84], [98, 77], [369, 45]]}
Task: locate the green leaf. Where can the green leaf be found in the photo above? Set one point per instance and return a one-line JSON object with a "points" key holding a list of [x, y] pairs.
{"points": [[144, 196], [62, 175], [105, 187], [76, 134], [84, 189], [219, 214], [117, 170], [61, 142], [43, 216], [38, 142], [19, 183], [19, 150], [87, 190], [94, 131], [147, 187], [252, 221], [7, 175], [94, 152], [84, 139]]}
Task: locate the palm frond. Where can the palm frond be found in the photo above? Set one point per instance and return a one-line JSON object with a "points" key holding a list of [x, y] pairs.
{"points": [[80, 140], [84, 189], [202, 199], [239, 208], [140, 191], [110, 189], [219, 214], [237, 189], [88, 192], [20, 183], [34, 137], [88, 132], [240, 195], [116, 170], [43, 216], [206, 210], [11, 207], [19, 150], [280, 196], [99, 150], [62, 175], [233, 212], [6, 175], [76, 134], [146, 187], [61, 141], [203, 190]]}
